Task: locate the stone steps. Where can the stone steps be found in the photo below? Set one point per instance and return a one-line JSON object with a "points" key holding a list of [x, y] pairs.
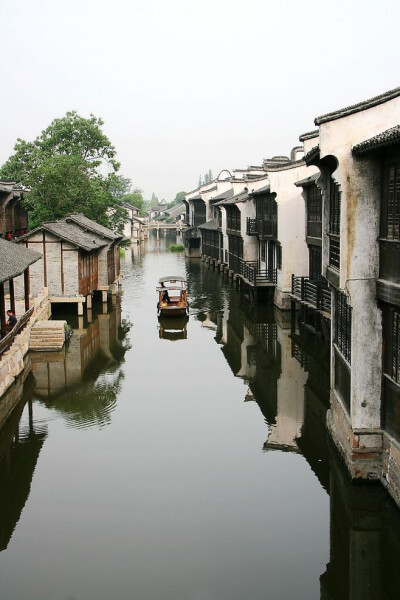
{"points": [[47, 336]]}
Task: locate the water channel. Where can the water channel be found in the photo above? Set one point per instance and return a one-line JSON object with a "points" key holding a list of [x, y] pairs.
{"points": [[185, 462]]}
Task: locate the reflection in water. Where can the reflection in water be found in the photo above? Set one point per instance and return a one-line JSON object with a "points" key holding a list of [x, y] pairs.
{"points": [[20, 446], [82, 382], [173, 328], [212, 481]]}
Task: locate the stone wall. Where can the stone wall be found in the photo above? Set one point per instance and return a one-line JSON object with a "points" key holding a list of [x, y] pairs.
{"points": [[13, 362]]}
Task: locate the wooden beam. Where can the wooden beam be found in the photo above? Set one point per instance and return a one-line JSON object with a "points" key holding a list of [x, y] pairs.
{"points": [[2, 311], [27, 288], [12, 296]]}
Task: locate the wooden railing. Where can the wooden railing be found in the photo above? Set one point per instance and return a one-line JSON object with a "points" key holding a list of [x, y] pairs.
{"points": [[7, 340], [250, 271], [315, 293]]}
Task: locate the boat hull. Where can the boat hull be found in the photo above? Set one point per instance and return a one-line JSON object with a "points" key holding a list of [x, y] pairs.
{"points": [[173, 311]]}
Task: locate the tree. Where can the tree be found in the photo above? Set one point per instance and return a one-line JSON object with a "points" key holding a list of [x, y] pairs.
{"points": [[63, 169], [207, 178], [154, 200], [120, 186], [180, 196], [136, 199]]}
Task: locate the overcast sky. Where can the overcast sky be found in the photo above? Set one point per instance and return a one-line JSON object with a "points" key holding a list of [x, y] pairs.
{"points": [[184, 87]]}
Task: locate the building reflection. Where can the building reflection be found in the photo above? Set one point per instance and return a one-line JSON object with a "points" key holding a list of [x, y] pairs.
{"points": [[364, 540], [82, 382], [286, 371], [21, 441]]}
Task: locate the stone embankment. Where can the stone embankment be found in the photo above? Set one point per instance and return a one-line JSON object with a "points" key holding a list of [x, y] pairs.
{"points": [[12, 363]]}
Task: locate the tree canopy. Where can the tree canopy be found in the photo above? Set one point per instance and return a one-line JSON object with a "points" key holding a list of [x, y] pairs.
{"points": [[136, 199], [180, 196], [70, 167]]}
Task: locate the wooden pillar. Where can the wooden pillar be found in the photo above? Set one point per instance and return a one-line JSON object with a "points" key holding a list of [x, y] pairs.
{"points": [[2, 310], [80, 308], [12, 296], [89, 301], [27, 288]]}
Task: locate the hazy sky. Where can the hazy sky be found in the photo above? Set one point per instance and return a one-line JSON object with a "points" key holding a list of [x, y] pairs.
{"points": [[184, 87]]}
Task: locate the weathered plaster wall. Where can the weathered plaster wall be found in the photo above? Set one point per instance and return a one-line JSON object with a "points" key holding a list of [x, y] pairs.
{"points": [[250, 242], [291, 223]]}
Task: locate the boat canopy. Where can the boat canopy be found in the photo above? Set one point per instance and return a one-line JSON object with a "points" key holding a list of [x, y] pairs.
{"points": [[172, 279]]}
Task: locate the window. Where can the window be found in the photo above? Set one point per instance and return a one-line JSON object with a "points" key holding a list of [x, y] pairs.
{"points": [[390, 207], [334, 225], [233, 218], [392, 343], [342, 325], [391, 369], [314, 212], [315, 263], [235, 252]]}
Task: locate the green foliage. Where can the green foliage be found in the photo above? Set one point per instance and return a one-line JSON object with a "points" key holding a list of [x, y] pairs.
{"points": [[120, 185], [153, 201], [62, 168], [176, 248], [180, 196], [136, 199]]}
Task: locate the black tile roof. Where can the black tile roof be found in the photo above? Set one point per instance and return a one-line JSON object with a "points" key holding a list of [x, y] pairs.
{"points": [[312, 155], [307, 181], [223, 196], [15, 259], [212, 224], [364, 105], [263, 190], [309, 135], [241, 197], [69, 232], [390, 137], [86, 223]]}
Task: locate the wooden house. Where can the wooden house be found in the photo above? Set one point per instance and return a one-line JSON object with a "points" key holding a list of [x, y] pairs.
{"points": [[15, 263], [69, 266], [109, 265], [13, 216]]}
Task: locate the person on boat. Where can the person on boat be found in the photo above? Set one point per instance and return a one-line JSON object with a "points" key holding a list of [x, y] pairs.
{"points": [[165, 297]]}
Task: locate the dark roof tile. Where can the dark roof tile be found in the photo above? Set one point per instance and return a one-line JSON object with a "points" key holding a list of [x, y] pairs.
{"points": [[390, 137], [364, 105], [15, 259]]}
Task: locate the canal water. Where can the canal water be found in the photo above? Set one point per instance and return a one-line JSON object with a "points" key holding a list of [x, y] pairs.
{"points": [[185, 460]]}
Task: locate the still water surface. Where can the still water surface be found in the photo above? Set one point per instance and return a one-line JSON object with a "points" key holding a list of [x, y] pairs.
{"points": [[187, 464]]}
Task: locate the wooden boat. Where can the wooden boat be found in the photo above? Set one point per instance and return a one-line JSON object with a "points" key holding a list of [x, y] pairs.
{"points": [[172, 297]]}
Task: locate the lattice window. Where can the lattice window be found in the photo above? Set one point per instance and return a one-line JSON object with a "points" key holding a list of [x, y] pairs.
{"points": [[314, 212], [390, 208], [334, 208], [343, 312], [392, 343], [233, 218], [314, 204], [315, 263]]}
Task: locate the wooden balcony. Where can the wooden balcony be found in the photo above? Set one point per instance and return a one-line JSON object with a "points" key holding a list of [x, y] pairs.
{"points": [[254, 276], [315, 293]]}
